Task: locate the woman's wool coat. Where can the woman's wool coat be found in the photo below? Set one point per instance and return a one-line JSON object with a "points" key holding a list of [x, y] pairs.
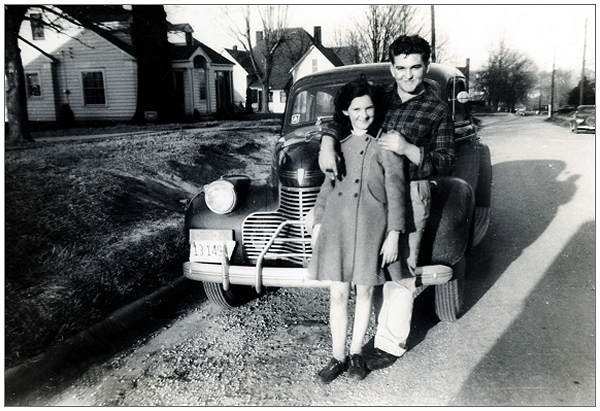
{"points": [[356, 211]]}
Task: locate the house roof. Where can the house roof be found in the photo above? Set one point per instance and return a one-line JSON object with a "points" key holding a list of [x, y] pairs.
{"points": [[330, 54], [295, 44], [242, 57], [347, 54], [293, 49], [184, 52]]}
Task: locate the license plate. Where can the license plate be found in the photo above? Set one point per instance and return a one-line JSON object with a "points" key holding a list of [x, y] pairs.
{"points": [[211, 245]]}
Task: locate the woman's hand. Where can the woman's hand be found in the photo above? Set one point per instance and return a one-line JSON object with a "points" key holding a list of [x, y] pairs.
{"points": [[315, 234], [389, 248]]}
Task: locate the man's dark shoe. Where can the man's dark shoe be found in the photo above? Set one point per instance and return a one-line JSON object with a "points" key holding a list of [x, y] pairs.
{"points": [[357, 368], [376, 359], [332, 370]]}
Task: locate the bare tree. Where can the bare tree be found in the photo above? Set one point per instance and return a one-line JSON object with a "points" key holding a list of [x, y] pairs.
{"points": [[262, 52], [381, 25], [507, 78], [16, 103], [16, 99], [56, 18]]}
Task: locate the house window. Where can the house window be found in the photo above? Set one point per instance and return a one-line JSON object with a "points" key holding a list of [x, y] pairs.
{"points": [[270, 96], [37, 27], [282, 96], [315, 65], [93, 88], [32, 82]]}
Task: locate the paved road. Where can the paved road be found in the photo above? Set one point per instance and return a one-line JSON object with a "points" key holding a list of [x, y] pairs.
{"points": [[528, 337]]}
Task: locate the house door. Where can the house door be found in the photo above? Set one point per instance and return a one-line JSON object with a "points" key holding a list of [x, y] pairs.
{"points": [[178, 77], [223, 88]]}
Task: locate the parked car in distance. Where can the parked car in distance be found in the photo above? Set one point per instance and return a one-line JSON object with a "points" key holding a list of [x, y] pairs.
{"points": [[246, 235], [584, 119]]}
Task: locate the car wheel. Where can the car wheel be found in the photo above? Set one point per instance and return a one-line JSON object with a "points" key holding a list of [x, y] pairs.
{"points": [[234, 297], [449, 297], [483, 197], [481, 222]]}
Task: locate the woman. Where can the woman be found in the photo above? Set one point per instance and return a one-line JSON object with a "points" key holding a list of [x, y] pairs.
{"points": [[358, 220]]}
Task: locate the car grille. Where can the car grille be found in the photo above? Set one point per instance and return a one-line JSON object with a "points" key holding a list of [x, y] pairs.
{"points": [[258, 228]]}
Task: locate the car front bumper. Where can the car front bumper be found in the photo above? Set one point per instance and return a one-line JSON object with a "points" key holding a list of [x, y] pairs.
{"points": [[286, 276]]}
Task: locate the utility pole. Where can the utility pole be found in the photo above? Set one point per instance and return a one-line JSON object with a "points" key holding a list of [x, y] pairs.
{"points": [[551, 108], [583, 64], [432, 34]]}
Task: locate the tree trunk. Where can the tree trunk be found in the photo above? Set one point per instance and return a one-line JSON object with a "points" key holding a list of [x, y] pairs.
{"points": [[156, 89], [16, 101]]}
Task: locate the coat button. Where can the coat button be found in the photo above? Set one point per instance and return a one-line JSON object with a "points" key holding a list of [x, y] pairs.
{"points": [[362, 152], [340, 193], [367, 139], [355, 194], [357, 180]]}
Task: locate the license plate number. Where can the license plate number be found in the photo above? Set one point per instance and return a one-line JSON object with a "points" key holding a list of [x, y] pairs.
{"points": [[211, 245]]}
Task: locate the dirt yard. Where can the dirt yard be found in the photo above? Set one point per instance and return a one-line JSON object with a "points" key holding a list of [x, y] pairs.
{"points": [[92, 226]]}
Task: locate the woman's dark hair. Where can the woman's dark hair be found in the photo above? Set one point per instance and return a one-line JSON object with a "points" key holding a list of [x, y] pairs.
{"points": [[348, 92]]}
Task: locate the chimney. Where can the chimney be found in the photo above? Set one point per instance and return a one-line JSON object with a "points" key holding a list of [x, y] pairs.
{"points": [[259, 36], [317, 34], [188, 38], [235, 47]]}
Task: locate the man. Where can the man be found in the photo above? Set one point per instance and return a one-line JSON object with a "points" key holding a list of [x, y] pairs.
{"points": [[418, 126]]}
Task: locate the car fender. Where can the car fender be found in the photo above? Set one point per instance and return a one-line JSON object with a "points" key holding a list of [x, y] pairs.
{"points": [[258, 197], [447, 232]]}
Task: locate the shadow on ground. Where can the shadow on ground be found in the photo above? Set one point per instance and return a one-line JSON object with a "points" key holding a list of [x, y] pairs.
{"points": [[525, 196], [559, 315]]}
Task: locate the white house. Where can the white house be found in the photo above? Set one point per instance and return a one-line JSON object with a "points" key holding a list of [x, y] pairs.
{"points": [[96, 76]]}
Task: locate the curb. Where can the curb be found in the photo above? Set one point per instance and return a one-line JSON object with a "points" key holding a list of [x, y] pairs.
{"points": [[100, 338]]}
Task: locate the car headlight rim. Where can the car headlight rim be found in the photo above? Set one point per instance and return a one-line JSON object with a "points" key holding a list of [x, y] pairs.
{"points": [[220, 196]]}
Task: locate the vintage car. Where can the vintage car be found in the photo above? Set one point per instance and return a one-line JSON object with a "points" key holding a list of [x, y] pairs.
{"points": [[245, 235], [584, 119]]}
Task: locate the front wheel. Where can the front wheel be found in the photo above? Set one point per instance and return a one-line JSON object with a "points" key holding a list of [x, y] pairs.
{"points": [[234, 297], [449, 297]]}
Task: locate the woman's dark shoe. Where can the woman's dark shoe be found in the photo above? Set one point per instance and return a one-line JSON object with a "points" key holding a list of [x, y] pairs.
{"points": [[332, 370], [357, 368]]}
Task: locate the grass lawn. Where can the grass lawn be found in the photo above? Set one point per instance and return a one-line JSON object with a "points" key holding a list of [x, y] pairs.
{"points": [[92, 226]]}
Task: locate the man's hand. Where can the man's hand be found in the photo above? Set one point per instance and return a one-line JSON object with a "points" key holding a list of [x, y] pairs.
{"points": [[389, 248], [394, 141], [328, 158]]}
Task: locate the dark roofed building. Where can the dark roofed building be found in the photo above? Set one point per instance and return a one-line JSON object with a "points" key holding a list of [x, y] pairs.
{"points": [[293, 48]]}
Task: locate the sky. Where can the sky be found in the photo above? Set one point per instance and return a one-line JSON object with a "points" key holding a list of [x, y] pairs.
{"points": [[542, 32]]}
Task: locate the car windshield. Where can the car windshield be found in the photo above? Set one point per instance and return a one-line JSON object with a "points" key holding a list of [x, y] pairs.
{"points": [[316, 103], [312, 104]]}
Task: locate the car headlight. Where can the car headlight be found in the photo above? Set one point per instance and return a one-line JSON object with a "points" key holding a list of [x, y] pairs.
{"points": [[220, 196], [579, 120]]}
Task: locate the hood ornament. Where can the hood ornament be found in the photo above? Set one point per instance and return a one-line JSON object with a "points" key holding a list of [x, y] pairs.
{"points": [[300, 176]]}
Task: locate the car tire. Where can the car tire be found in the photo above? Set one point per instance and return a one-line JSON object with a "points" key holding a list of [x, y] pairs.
{"points": [[449, 297], [236, 296], [483, 197]]}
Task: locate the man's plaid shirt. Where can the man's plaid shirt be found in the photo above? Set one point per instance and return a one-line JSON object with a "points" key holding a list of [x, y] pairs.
{"points": [[426, 122]]}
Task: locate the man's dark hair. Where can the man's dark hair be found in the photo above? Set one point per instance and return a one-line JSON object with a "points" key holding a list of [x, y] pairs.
{"points": [[410, 45]]}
